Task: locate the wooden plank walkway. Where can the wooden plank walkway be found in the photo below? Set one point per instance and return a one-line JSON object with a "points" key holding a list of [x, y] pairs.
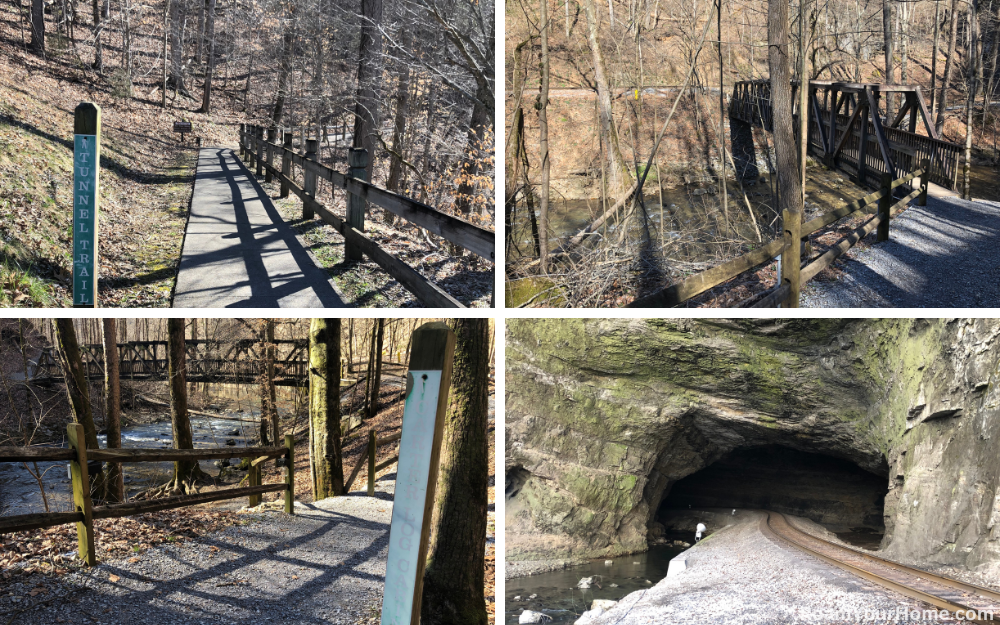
{"points": [[238, 251], [943, 255]]}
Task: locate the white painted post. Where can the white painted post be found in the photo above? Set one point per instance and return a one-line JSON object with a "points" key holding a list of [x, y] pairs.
{"points": [[427, 384]]}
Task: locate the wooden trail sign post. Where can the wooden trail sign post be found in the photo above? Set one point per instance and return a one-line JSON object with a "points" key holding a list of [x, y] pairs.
{"points": [[86, 202], [427, 384]]}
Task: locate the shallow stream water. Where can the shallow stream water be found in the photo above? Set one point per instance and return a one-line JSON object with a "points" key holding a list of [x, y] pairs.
{"points": [[558, 596]]}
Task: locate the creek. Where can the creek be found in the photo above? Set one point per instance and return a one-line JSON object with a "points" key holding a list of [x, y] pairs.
{"points": [[559, 597]]}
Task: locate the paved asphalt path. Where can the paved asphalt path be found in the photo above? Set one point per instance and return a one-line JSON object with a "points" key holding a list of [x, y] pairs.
{"points": [[238, 251], [943, 255]]}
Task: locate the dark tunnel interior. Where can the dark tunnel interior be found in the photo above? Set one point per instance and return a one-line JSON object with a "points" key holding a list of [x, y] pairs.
{"points": [[833, 492]]}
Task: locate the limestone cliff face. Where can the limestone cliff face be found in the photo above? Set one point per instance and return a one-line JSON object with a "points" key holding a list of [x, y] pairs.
{"points": [[604, 416]]}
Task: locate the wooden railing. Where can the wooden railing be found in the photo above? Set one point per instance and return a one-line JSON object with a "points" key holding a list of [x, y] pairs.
{"points": [[697, 284], [261, 154], [370, 451], [79, 456]]}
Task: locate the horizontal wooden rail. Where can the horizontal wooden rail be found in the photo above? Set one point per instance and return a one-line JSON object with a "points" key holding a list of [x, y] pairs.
{"points": [[698, 283], [81, 458], [35, 454], [386, 463], [479, 241], [22, 522], [169, 503], [426, 291], [174, 455]]}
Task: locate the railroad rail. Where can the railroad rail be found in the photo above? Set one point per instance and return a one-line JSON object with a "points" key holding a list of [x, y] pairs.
{"points": [[979, 604]]}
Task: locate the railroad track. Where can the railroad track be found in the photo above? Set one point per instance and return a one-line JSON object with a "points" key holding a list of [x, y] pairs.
{"points": [[942, 592]]}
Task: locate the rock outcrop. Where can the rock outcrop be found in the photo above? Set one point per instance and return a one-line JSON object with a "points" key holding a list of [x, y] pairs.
{"points": [[605, 416]]}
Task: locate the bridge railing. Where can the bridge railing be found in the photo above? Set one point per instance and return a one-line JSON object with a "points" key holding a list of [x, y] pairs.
{"points": [[83, 460], [262, 153], [878, 204]]}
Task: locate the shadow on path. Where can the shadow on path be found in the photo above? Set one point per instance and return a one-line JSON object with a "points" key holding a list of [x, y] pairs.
{"points": [[238, 251]]}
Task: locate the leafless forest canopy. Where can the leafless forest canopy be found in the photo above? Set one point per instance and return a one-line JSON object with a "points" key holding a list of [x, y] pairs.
{"points": [[590, 85]]}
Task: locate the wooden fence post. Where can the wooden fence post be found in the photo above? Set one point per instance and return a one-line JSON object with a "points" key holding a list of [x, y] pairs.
{"points": [[242, 140], [271, 132], [309, 179], [883, 208], [924, 181], [254, 478], [290, 474], [258, 139], [357, 161], [791, 255], [81, 494], [86, 202], [372, 450], [286, 163]]}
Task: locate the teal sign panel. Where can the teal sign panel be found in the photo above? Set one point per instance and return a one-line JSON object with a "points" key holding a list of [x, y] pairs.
{"points": [[85, 193], [412, 475]]}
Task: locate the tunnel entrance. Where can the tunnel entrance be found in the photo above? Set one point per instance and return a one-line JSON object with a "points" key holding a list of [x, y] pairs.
{"points": [[832, 492]]}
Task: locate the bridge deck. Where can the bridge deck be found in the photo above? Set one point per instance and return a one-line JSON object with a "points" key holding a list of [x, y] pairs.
{"points": [[943, 255], [238, 251]]}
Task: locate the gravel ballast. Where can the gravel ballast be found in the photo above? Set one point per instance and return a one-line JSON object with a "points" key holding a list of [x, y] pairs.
{"points": [[739, 576], [943, 255]]}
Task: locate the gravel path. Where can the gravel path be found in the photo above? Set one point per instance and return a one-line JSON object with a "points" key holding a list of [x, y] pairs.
{"points": [[324, 565], [943, 255], [739, 576]]}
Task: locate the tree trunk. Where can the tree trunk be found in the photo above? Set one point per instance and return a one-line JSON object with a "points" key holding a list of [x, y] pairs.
{"points": [[79, 393], [176, 48], [399, 127], [113, 412], [543, 141], [268, 396], [619, 174], [325, 458], [76, 380], [166, 31], [949, 65], [37, 27], [431, 129], [206, 100], [377, 380], [888, 40], [453, 579], [200, 43], [185, 471], [284, 69], [934, 58], [973, 90], [366, 113], [98, 64], [789, 183]]}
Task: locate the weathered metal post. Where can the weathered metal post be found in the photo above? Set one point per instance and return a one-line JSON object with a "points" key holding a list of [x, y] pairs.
{"points": [[427, 383], [372, 452], [309, 179], [286, 163], [357, 161], [925, 165], [81, 494], [290, 474], [884, 203], [86, 202]]}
